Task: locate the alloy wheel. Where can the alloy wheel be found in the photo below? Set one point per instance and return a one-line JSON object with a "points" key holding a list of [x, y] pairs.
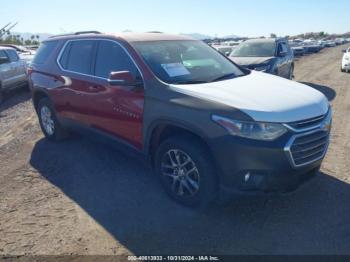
{"points": [[181, 173], [47, 120]]}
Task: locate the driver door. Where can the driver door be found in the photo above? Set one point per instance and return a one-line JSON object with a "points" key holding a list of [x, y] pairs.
{"points": [[117, 110]]}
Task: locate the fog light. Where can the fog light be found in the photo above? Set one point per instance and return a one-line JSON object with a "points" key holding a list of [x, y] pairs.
{"points": [[246, 177], [252, 180]]}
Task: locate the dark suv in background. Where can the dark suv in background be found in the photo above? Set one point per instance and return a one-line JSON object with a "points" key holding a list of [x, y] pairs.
{"points": [[273, 56], [208, 127]]}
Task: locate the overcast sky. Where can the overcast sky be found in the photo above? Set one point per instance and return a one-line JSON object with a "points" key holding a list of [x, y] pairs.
{"points": [[219, 17]]}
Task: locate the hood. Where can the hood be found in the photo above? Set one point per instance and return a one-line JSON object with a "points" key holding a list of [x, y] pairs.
{"points": [[245, 61], [263, 97]]}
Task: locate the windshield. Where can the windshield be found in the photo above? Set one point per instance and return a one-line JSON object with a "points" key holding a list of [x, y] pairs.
{"points": [[255, 49], [186, 61]]}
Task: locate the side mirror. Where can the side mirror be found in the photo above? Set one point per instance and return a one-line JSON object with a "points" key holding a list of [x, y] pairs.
{"points": [[122, 78], [227, 53], [344, 51], [4, 60]]}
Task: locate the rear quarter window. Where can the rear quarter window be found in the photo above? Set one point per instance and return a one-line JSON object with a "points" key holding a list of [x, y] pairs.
{"points": [[44, 51]]}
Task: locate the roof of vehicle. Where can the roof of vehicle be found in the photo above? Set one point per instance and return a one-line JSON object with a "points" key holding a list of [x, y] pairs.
{"points": [[16, 47], [7, 45], [6, 48], [264, 40], [137, 37], [129, 36]]}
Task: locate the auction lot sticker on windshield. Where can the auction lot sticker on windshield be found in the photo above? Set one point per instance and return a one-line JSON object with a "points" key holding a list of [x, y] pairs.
{"points": [[175, 69]]}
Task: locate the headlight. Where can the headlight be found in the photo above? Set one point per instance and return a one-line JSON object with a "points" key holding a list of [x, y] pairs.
{"points": [[252, 130]]}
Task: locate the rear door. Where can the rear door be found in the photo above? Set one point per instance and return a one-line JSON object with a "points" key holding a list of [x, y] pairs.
{"points": [[76, 64]]}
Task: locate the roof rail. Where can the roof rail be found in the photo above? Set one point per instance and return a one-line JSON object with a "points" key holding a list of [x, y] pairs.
{"points": [[77, 33], [87, 32]]}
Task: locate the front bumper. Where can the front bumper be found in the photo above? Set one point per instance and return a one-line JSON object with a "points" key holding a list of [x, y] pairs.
{"points": [[346, 65], [260, 167]]}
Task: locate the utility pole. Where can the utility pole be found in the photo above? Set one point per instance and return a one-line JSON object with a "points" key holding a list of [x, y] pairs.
{"points": [[7, 28]]}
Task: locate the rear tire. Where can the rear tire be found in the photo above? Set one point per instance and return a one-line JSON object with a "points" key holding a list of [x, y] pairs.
{"points": [[49, 123], [193, 184], [342, 70]]}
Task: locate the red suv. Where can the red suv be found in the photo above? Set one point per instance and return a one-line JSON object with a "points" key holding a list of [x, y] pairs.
{"points": [[207, 125]]}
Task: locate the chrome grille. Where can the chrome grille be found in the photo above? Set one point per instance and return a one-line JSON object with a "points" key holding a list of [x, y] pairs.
{"points": [[309, 147], [307, 123]]}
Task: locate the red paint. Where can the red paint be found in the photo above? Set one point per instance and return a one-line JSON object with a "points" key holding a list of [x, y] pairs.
{"points": [[116, 110]]}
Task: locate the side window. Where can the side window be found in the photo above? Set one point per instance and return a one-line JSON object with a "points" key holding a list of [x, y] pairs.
{"points": [[12, 54], [112, 57], [285, 47], [3, 54], [44, 51], [282, 47], [77, 56]]}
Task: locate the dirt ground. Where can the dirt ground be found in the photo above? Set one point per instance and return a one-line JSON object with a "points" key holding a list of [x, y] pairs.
{"points": [[83, 197]]}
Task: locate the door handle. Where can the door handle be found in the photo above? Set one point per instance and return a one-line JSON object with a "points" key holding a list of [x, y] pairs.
{"points": [[94, 87]]}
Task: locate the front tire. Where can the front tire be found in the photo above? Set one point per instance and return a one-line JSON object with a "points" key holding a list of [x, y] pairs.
{"points": [[186, 171], [49, 123]]}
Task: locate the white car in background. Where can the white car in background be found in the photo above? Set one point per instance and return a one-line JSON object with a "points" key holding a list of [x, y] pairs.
{"points": [[13, 72], [330, 43], [345, 65], [224, 49], [23, 52]]}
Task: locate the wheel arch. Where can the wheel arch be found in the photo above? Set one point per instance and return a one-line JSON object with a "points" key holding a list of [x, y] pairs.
{"points": [[37, 96], [162, 129]]}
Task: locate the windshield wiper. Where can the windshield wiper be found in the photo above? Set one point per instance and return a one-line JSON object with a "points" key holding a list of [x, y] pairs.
{"points": [[188, 82], [223, 77]]}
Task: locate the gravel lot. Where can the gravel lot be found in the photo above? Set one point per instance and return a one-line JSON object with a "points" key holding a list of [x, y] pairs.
{"points": [[83, 197]]}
